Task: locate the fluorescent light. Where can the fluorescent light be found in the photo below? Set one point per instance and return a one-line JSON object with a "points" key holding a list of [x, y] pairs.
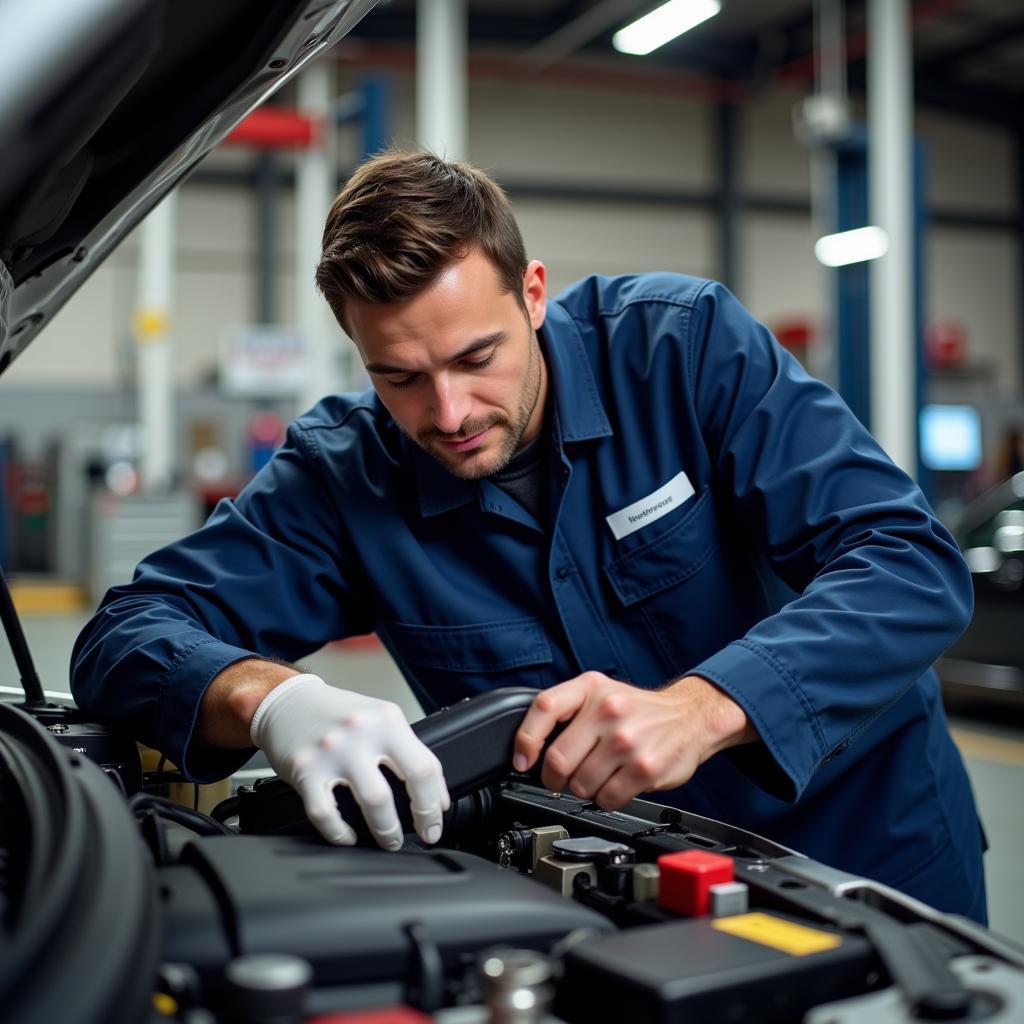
{"points": [[851, 246], [663, 24]]}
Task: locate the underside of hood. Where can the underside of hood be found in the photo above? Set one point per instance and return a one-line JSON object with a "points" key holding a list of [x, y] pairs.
{"points": [[105, 105]]}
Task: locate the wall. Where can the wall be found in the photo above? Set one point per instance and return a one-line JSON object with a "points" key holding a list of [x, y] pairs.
{"points": [[973, 274], [529, 134]]}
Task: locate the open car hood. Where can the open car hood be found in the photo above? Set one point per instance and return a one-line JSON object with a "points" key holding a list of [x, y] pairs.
{"points": [[106, 105]]}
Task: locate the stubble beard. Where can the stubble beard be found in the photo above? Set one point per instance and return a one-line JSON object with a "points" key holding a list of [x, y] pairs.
{"points": [[470, 466]]}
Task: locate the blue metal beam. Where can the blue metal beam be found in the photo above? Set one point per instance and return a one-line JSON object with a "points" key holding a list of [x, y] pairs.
{"points": [[852, 292], [377, 91]]}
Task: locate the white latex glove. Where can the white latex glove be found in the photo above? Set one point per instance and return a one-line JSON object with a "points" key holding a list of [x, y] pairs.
{"points": [[316, 737]]}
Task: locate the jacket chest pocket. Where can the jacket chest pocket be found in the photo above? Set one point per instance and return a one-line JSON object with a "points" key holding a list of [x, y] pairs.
{"points": [[679, 588], [444, 664]]}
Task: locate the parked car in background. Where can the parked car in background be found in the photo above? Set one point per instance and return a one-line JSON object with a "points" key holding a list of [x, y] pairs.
{"points": [[986, 665]]}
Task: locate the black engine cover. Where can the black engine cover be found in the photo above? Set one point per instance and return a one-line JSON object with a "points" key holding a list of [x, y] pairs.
{"points": [[347, 911]]}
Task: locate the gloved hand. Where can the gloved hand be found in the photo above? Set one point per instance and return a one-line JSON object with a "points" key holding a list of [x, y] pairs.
{"points": [[316, 737]]}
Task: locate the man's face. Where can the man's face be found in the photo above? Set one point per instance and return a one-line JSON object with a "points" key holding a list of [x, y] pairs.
{"points": [[458, 366]]}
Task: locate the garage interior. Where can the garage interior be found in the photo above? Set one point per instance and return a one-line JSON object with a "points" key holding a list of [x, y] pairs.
{"points": [[728, 153]]}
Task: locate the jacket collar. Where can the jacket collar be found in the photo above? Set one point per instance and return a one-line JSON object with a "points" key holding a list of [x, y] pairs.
{"points": [[439, 490], [571, 377], [581, 416]]}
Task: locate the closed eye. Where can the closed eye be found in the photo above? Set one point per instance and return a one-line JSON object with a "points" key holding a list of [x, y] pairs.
{"points": [[469, 364], [479, 364]]}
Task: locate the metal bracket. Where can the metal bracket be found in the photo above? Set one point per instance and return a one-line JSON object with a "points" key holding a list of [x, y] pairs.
{"points": [[986, 979]]}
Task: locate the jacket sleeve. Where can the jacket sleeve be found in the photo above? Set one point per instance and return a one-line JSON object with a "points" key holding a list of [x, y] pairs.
{"points": [[270, 574], [879, 589]]}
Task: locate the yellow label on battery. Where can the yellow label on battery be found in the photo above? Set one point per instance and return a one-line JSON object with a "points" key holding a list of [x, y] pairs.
{"points": [[794, 939]]}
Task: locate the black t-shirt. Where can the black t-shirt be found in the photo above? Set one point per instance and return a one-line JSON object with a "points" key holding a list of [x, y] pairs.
{"points": [[525, 478]]}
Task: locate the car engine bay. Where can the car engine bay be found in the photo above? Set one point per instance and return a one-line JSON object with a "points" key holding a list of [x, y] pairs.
{"points": [[124, 906]]}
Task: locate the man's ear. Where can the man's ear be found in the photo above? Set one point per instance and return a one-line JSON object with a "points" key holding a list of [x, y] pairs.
{"points": [[535, 293]]}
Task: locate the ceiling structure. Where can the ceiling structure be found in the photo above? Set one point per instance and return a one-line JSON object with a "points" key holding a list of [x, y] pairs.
{"points": [[968, 54]]}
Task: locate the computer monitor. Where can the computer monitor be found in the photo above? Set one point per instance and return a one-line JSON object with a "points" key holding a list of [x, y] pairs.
{"points": [[950, 437]]}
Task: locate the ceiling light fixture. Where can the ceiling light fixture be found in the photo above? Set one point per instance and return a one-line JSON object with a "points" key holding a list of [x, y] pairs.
{"points": [[851, 246], [663, 24]]}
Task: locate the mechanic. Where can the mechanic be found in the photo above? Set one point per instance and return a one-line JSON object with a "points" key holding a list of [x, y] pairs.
{"points": [[630, 497]]}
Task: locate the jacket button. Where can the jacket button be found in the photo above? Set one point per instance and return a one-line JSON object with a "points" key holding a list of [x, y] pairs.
{"points": [[830, 757], [563, 572]]}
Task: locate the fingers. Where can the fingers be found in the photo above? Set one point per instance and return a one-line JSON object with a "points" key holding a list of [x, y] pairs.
{"points": [[622, 741], [590, 748], [609, 770], [565, 757], [621, 787], [376, 801], [322, 810], [549, 708], [624, 773], [424, 781]]}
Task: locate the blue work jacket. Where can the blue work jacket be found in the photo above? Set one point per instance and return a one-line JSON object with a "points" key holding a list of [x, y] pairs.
{"points": [[714, 510]]}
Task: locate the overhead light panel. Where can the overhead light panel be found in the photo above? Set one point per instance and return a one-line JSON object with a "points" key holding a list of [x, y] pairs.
{"points": [[663, 24], [851, 246]]}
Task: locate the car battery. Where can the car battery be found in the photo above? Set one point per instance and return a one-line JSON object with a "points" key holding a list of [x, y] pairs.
{"points": [[761, 968]]}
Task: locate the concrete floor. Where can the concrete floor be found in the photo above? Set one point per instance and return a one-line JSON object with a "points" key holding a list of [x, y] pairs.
{"points": [[994, 754]]}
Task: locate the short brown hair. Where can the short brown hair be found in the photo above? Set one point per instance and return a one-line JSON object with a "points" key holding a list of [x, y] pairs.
{"points": [[402, 218]]}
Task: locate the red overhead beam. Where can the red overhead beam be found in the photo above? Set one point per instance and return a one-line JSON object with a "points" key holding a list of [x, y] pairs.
{"points": [[276, 128]]}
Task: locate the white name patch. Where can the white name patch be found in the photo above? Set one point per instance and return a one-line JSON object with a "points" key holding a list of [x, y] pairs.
{"points": [[654, 506]]}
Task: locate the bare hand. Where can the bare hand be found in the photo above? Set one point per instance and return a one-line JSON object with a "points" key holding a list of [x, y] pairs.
{"points": [[622, 740]]}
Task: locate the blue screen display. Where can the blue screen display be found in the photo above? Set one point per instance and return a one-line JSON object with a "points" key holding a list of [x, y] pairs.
{"points": [[950, 437]]}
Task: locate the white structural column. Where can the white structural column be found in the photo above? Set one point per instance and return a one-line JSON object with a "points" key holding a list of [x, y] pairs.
{"points": [[314, 192], [154, 372], [890, 188], [441, 100]]}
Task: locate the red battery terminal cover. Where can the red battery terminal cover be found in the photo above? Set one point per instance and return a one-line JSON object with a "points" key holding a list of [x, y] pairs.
{"points": [[389, 1015], [687, 877]]}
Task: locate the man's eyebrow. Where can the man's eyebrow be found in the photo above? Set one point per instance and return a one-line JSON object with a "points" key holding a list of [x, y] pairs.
{"points": [[490, 339]]}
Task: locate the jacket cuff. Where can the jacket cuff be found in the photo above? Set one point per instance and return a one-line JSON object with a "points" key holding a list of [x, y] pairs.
{"points": [[181, 692], [792, 743]]}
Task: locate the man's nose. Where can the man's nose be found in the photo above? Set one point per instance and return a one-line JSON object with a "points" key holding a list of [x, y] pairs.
{"points": [[451, 406]]}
